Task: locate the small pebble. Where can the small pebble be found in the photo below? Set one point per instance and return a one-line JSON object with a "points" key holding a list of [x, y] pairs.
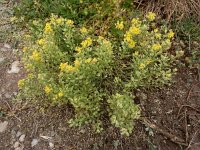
{"points": [[22, 137], [82, 131], [19, 148], [51, 145], [18, 134], [7, 95], [3, 126], [14, 67], [1, 59], [7, 46], [34, 142], [16, 144]]}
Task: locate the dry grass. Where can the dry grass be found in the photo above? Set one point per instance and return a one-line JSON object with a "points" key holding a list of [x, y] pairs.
{"points": [[171, 9]]}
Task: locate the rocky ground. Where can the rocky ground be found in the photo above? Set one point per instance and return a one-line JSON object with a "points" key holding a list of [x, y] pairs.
{"points": [[171, 112]]}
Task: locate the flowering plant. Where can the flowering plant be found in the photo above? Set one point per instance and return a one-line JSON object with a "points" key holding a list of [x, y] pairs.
{"points": [[96, 75]]}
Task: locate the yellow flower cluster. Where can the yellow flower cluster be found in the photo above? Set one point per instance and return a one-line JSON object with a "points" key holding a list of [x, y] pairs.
{"points": [[35, 56], [90, 60], [69, 22], [59, 21], [21, 83], [135, 21], [133, 31], [142, 66], [156, 47], [47, 89], [48, 28], [77, 63], [78, 49], [145, 63], [63, 66], [119, 25], [41, 42], [70, 68], [83, 30], [170, 34], [86, 43], [151, 16]]}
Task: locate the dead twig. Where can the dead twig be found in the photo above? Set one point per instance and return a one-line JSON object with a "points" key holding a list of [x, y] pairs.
{"points": [[7, 104], [189, 145], [186, 126], [170, 136]]}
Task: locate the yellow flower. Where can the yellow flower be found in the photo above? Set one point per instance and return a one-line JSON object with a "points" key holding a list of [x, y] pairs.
{"points": [[47, 89], [70, 68], [151, 16], [41, 42], [142, 66], [170, 34], [48, 28], [24, 49], [135, 30], [63, 66], [81, 1], [30, 75], [59, 21], [77, 63], [69, 22], [86, 42], [21, 83], [35, 56], [88, 60], [135, 21], [119, 25], [156, 47], [158, 35], [78, 49], [60, 94], [83, 30], [128, 37], [131, 44]]}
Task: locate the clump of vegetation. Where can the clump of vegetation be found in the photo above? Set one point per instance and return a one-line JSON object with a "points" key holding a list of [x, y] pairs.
{"points": [[96, 75], [93, 12], [189, 33]]}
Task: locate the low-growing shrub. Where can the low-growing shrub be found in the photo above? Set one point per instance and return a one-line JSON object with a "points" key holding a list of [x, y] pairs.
{"points": [[95, 75]]}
